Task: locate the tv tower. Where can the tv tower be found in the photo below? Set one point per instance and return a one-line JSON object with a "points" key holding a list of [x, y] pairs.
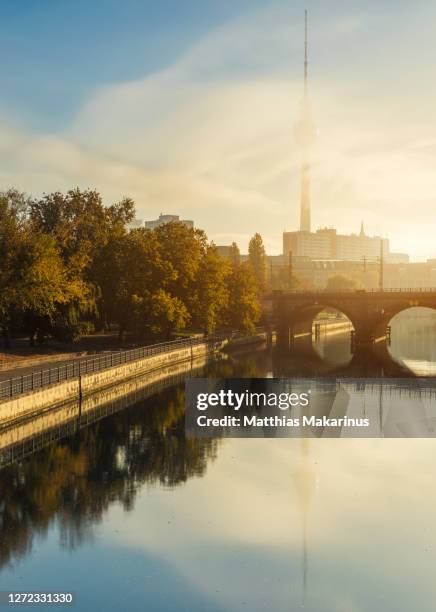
{"points": [[305, 136]]}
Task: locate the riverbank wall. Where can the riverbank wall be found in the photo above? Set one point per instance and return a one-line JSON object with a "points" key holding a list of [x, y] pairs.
{"points": [[240, 342], [31, 432], [79, 387]]}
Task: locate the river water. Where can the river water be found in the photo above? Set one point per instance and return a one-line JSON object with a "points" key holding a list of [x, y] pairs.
{"points": [[130, 515]]}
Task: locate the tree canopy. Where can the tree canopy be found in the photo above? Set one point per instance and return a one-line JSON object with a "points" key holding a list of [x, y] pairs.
{"points": [[68, 263], [257, 260]]}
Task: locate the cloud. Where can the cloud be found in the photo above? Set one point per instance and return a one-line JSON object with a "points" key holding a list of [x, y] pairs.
{"points": [[212, 138], [258, 497]]}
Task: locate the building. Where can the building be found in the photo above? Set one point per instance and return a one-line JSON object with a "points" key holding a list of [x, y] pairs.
{"points": [[167, 219], [315, 273], [224, 250], [414, 275], [135, 224], [326, 243]]}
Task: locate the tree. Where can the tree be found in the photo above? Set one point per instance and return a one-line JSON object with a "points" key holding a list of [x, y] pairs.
{"points": [[235, 255], [182, 249], [211, 290], [340, 282], [243, 311], [67, 261], [279, 279], [76, 220], [257, 260], [12, 226], [166, 314], [34, 282], [88, 237]]}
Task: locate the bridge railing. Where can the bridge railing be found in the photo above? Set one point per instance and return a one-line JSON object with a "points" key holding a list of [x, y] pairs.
{"points": [[354, 291], [41, 378]]}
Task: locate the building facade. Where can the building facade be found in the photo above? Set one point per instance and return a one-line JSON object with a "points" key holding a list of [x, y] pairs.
{"points": [[167, 219], [315, 273], [326, 243]]}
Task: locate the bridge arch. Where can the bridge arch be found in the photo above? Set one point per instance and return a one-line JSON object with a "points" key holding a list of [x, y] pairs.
{"points": [[388, 317], [411, 342], [368, 311], [304, 316]]}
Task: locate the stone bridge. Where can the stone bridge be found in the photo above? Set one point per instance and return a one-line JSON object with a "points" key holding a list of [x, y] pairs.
{"points": [[370, 312]]}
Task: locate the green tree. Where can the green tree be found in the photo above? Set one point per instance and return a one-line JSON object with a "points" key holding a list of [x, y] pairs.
{"points": [[166, 314], [12, 226], [84, 231], [182, 248], [340, 282], [257, 260], [76, 220], [34, 283], [243, 311]]}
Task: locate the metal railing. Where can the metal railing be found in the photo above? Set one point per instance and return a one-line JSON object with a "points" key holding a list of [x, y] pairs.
{"points": [[41, 378], [354, 291]]}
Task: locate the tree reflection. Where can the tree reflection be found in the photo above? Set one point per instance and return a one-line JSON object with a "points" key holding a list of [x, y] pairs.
{"points": [[75, 481]]}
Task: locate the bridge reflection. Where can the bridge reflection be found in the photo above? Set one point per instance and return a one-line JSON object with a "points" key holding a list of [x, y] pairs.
{"points": [[302, 357]]}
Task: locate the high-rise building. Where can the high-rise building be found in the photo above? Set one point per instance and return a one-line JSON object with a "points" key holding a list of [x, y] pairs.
{"points": [[325, 243]]}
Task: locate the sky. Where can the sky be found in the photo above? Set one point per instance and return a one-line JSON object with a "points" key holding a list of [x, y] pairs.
{"points": [[190, 108]]}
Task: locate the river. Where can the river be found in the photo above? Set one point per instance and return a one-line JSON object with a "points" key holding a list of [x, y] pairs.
{"points": [[129, 514]]}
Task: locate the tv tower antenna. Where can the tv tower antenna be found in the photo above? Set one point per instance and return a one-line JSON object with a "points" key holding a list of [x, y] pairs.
{"points": [[305, 134], [305, 54]]}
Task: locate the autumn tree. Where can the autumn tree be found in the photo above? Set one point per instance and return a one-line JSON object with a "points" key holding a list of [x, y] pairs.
{"points": [[182, 248], [211, 290], [243, 311], [67, 261], [34, 282], [257, 260], [165, 314], [234, 255]]}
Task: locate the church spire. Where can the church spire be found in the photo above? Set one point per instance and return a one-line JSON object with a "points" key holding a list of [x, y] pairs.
{"points": [[362, 231]]}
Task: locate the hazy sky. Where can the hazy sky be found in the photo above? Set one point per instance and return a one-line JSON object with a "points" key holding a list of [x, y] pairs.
{"points": [[190, 108]]}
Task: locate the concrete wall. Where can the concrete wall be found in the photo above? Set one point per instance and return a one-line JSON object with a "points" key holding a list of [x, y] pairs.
{"points": [[53, 395], [27, 435], [120, 373], [38, 423], [134, 387], [21, 405]]}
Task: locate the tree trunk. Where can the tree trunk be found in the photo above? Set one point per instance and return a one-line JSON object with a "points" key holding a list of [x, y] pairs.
{"points": [[6, 338]]}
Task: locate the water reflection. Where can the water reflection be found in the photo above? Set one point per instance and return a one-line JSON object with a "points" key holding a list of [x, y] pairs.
{"points": [[410, 352], [130, 514], [413, 342], [75, 481]]}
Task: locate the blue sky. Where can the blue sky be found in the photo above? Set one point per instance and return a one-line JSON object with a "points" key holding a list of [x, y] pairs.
{"points": [[190, 107], [56, 53]]}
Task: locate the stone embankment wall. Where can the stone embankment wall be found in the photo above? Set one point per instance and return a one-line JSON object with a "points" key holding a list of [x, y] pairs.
{"points": [[79, 387]]}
